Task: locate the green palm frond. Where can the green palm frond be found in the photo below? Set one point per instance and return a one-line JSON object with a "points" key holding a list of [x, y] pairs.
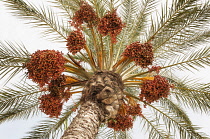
{"points": [[178, 25], [168, 120], [194, 59], [104, 132], [122, 135], [198, 38], [206, 87], [19, 102], [176, 110], [128, 11], [168, 18], [155, 132], [108, 133], [12, 57], [24, 111], [109, 5], [52, 128], [41, 17], [175, 124], [176, 34], [69, 6], [195, 97], [100, 6], [136, 17]]}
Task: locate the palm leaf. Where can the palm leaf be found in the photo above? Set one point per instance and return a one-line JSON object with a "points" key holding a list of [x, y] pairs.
{"points": [[179, 112], [100, 6], [153, 128], [18, 101], [69, 6], [194, 59], [139, 20], [178, 24], [24, 111], [12, 57], [41, 17], [166, 120], [52, 127], [178, 126], [108, 133], [134, 15], [193, 97]]}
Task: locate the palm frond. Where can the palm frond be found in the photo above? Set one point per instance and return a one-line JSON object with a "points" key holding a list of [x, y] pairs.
{"points": [[134, 15], [178, 25], [194, 59], [76, 71], [69, 6], [128, 10], [104, 132], [177, 125], [106, 5], [41, 17], [155, 132], [179, 112], [167, 122], [24, 111], [108, 133], [140, 19], [122, 135], [163, 22], [52, 127], [12, 57], [199, 38], [18, 101], [101, 6], [193, 97]]}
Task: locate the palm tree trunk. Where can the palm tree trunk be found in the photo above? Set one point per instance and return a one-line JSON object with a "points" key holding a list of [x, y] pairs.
{"points": [[102, 96], [86, 124]]}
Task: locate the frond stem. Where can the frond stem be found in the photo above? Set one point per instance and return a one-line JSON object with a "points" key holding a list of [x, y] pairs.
{"points": [[192, 90], [185, 62], [99, 57]]}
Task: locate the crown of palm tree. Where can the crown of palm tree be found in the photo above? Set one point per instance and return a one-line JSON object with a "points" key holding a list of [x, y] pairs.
{"points": [[127, 41]]}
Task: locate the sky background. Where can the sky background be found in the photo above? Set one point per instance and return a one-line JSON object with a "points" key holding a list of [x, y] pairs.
{"points": [[14, 29]]}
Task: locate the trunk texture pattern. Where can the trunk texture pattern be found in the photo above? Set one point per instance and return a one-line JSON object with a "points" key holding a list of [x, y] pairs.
{"points": [[105, 88], [101, 97], [86, 124]]}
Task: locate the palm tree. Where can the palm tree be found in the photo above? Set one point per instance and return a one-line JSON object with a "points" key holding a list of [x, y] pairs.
{"points": [[120, 67]]}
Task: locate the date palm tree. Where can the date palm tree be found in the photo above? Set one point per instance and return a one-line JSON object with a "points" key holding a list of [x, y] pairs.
{"points": [[120, 68]]}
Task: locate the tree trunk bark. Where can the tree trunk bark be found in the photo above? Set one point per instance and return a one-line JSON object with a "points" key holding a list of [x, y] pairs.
{"points": [[101, 97], [86, 123]]}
